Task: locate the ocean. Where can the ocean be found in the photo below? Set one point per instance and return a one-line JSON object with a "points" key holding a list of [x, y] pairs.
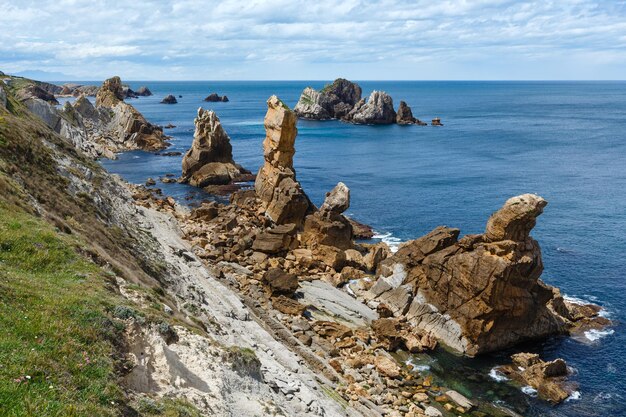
{"points": [[565, 141]]}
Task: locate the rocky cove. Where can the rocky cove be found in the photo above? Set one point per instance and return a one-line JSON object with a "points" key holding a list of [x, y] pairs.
{"points": [[286, 258]]}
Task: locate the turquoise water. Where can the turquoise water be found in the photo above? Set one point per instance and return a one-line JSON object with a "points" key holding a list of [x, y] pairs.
{"points": [[565, 141]]}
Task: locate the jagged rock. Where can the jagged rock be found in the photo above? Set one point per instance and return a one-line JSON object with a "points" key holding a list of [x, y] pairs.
{"points": [[128, 92], [282, 198], [387, 366], [328, 226], [276, 239], [209, 161], [35, 91], [125, 126], [392, 334], [377, 110], [111, 93], [548, 378], [334, 101], [436, 122], [169, 99], [214, 97], [280, 282], [84, 107], [338, 200], [477, 294], [405, 116], [143, 91]]}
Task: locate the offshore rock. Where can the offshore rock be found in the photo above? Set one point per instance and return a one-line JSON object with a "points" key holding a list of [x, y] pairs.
{"points": [[282, 197], [548, 378], [405, 116], [143, 91], [334, 101], [214, 97], [169, 99], [377, 110], [209, 161], [478, 294]]}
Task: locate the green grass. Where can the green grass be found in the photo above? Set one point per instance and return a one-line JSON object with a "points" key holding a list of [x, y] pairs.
{"points": [[56, 340]]}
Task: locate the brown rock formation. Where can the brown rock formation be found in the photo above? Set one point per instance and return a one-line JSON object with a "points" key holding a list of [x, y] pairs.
{"points": [[404, 116], [127, 126], [477, 294], [548, 378], [283, 199], [209, 161], [328, 226]]}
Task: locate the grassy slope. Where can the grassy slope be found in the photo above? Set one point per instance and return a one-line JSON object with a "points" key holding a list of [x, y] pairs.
{"points": [[60, 351]]}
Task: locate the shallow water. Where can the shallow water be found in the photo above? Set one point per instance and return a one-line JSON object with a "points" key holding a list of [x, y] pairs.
{"points": [[562, 140]]}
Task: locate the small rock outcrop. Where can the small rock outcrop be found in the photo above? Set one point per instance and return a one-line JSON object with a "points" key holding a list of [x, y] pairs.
{"points": [[143, 91], [377, 110], [549, 379], [436, 122], [404, 116], [209, 161], [35, 91], [478, 294], [334, 101], [169, 99], [125, 126], [214, 97], [327, 226], [282, 197]]}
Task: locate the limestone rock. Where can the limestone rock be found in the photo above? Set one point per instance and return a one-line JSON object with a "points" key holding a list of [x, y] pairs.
{"points": [[276, 239], [477, 294], [338, 200], [209, 161], [35, 91], [377, 110], [334, 101], [111, 92], [288, 305], [169, 99], [387, 366], [3, 97], [283, 199]]}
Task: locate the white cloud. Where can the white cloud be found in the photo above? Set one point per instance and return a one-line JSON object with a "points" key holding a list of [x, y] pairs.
{"points": [[323, 39]]}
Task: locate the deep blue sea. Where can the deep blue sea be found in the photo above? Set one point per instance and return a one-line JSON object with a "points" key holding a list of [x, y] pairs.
{"points": [[565, 141]]}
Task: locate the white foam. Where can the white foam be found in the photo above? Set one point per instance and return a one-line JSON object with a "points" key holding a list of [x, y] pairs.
{"points": [[389, 239], [528, 390], [417, 366], [575, 300], [576, 395], [497, 375], [595, 335]]}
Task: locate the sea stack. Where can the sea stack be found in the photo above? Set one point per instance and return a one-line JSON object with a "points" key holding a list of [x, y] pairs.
{"points": [[282, 197], [377, 110], [169, 99], [334, 101], [404, 116], [209, 161]]}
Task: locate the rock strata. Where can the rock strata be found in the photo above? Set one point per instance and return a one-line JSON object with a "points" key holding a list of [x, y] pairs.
{"points": [[334, 101], [283, 199], [477, 294], [377, 110], [209, 161]]}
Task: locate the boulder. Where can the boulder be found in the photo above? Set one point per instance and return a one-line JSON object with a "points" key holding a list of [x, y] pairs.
{"points": [[282, 197], [328, 226], [169, 99], [143, 91], [334, 101], [387, 366], [288, 305], [477, 294], [209, 161], [276, 239], [280, 282], [337, 200], [214, 97], [377, 110]]}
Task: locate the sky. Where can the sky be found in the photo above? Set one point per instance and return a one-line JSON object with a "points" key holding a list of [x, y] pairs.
{"points": [[315, 39]]}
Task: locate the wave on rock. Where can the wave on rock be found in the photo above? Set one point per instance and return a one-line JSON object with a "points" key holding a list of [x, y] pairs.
{"points": [[389, 239], [497, 375]]}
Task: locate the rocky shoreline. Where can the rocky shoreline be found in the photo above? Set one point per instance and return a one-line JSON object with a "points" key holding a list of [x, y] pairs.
{"points": [[339, 309]]}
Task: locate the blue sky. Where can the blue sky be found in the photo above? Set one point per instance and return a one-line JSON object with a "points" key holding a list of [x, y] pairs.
{"points": [[315, 39]]}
